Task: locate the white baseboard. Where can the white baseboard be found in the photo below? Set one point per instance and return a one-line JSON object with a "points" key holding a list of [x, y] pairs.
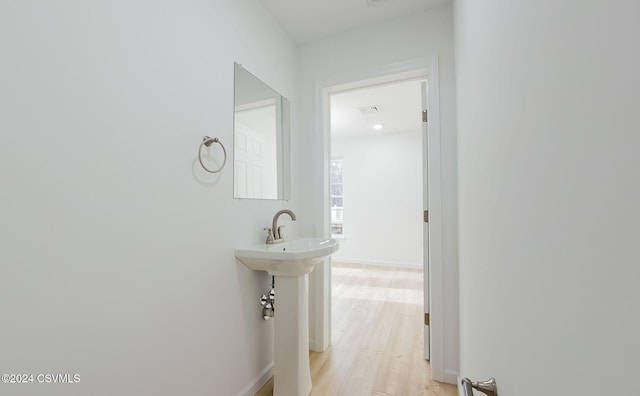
{"points": [[315, 347], [377, 263], [258, 381], [451, 377], [312, 345]]}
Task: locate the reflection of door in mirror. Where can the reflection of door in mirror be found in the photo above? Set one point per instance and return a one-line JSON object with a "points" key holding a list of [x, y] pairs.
{"points": [[256, 164], [261, 126]]}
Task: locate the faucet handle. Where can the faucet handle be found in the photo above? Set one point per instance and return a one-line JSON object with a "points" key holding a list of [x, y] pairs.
{"points": [[269, 234]]}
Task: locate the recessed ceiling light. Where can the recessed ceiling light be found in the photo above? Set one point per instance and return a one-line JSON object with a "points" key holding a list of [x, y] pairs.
{"points": [[378, 126]]}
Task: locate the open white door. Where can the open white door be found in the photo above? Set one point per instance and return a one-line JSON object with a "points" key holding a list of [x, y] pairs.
{"points": [[425, 229]]}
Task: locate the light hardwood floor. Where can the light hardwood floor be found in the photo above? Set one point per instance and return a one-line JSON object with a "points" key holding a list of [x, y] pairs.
{"points": [[377, 344]]}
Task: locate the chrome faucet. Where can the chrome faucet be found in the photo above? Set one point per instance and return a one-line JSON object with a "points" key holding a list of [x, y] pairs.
{"points": [[274, 234]]}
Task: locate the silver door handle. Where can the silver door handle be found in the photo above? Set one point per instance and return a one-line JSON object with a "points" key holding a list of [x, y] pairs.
{"points": [[487, 387]]}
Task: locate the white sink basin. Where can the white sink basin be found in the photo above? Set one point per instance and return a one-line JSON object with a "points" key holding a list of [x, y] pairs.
{"points": [[290, 258]]}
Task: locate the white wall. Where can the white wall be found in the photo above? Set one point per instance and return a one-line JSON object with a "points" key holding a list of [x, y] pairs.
{"points": [[364, 49], [382, 199], [548, 97], [116, 248]]}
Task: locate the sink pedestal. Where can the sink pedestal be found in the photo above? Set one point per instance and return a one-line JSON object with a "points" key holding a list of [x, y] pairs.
{"points": [[292, 374], [290, 262]]}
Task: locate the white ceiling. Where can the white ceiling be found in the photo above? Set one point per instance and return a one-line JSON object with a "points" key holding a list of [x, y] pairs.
{"points": [[400, 106], [306, 20], [399, 103]]}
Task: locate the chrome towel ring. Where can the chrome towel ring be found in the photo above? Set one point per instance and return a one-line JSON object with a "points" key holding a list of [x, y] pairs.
{"points": [[207, 141]]}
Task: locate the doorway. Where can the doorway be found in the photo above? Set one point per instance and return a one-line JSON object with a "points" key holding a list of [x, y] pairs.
{"points": [[376, 194], [433, 275]]}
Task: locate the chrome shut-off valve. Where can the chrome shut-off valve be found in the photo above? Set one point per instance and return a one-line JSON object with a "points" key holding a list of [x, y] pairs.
{"points": [[267, 302]]}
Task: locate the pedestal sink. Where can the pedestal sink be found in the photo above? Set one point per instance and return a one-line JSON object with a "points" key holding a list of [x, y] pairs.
{"points": [[290, 262]]}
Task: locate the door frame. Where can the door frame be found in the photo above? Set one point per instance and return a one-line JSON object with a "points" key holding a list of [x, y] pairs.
{"points": [[434, 267]]}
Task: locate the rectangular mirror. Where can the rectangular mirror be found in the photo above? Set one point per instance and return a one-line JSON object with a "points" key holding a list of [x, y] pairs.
{"points": [[261, 139]]}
